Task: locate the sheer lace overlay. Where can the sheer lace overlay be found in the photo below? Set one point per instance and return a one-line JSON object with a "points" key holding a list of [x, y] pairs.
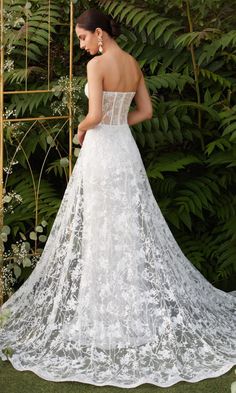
{"points": [[113, 300], [115, 106]]}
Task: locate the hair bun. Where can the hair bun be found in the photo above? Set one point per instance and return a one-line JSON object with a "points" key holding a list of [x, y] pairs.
{"points": [[115, 28]]}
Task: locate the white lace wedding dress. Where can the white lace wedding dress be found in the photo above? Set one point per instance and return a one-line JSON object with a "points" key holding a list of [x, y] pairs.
{"points": [[113, 300]]}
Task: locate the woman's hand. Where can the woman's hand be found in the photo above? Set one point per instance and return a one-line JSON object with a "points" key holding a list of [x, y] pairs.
{"points": [[81, 135]]}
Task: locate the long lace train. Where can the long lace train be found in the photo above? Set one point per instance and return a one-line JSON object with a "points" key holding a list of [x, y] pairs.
{"points": [[113, 300]]}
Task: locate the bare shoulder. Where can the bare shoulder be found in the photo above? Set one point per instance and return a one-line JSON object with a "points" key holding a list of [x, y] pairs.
{"points": [[94, 62], [98, 63], [133, 65], [131, 57], [94, 66], [137, 65]]}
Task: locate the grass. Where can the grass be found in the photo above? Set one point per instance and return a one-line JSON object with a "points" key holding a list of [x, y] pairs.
{"points": [[13, 381]]}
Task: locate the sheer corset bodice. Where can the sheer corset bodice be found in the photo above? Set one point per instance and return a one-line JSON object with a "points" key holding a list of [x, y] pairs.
{"points": [[115, 106]]}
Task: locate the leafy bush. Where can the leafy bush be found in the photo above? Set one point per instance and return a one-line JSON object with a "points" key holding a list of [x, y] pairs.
{"points": [[186, 50]]}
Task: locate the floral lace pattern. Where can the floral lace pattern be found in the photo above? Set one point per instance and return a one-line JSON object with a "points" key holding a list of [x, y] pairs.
{"points": [[115, 106], [113, 300]]}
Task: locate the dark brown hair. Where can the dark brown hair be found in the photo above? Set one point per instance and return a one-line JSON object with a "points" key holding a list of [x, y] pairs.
{"points": [[93, 18]]}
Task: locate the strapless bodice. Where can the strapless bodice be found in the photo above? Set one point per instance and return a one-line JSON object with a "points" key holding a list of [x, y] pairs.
{"points": [[115, 106]]}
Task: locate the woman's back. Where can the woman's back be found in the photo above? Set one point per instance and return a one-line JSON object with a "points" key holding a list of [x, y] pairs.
{"points": [[120, 70]]}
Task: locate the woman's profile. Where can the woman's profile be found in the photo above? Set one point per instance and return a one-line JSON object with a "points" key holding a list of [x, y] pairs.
{"points": [[113, 300]]}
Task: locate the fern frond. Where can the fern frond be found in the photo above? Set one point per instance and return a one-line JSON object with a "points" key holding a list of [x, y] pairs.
{"points": [[171, 163], [221, 143], [215, 77], [48, 202], [142, 19], [172, 81], [19, 75]]}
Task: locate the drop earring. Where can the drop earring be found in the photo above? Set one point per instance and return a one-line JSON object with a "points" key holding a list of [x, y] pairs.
{"points": [[100, 45]]}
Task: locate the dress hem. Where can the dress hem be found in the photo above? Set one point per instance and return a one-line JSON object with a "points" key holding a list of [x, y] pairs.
{"points": [[37, 371]]}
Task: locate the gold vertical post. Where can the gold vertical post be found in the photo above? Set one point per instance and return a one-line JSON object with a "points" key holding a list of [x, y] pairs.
{"points": [[1, 148], [49, 43], [70, 86], [26, 49]]}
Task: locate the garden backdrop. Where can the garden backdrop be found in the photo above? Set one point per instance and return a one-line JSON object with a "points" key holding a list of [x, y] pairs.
{"points": [[187, 52]]}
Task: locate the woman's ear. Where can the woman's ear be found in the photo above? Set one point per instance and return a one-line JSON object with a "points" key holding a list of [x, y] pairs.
{"points": [[99, 31]]}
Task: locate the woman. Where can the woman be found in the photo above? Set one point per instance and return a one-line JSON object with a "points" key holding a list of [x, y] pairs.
{"points": [[115, 70], [113, 300]]}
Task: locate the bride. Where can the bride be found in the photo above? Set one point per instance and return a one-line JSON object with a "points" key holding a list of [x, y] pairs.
{"points": [[114, 71], [113, 300]]}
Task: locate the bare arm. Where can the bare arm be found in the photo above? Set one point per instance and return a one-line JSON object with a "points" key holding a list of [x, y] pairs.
{"points": [[95, 79], [143, 102]]}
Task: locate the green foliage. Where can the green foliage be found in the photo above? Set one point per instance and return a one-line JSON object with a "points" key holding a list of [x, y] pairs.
{"points": [[188, 147]]}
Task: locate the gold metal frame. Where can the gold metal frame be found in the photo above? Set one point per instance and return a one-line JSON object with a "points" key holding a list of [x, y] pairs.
{"points": [[26, 91]]}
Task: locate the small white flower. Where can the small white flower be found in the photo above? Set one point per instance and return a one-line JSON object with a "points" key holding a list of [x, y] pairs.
{"points": [[233, 387]]}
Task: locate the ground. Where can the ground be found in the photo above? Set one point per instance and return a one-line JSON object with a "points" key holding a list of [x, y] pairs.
{"points": [[13, 381]]}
